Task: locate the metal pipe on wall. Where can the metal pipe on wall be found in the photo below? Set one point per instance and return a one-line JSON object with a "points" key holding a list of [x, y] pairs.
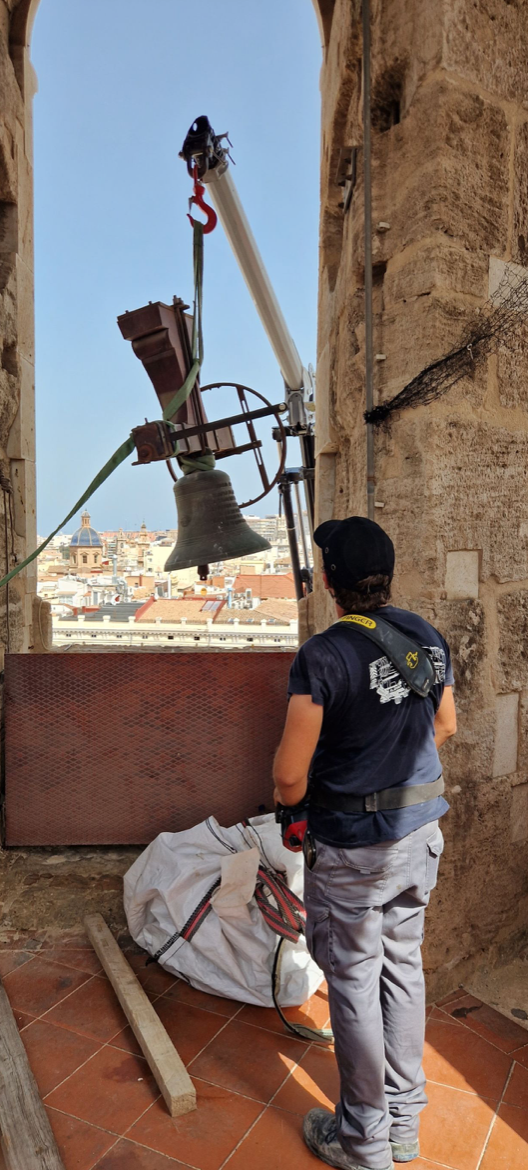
{"points": [[367, 188], [285, 492], [301, 525]]}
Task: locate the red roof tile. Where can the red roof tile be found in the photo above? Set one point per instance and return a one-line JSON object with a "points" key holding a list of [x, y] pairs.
{"points": [[280, 609], [266, 585], [193, 609]]}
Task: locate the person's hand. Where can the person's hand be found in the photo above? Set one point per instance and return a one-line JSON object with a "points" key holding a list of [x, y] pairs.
{"points": [[276, 796]]}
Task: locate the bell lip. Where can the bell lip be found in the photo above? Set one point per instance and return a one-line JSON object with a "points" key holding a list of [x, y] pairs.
{"points": [[219, 552], [216, 555]]}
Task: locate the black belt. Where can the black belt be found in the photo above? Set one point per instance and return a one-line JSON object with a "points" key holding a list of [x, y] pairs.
{"points": [[387, 798]]}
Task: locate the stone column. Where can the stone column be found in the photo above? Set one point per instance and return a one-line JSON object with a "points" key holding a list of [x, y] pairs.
{"points": [[450, 207], [17, 372]]}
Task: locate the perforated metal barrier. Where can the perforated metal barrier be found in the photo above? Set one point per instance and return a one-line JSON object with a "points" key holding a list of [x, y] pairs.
{"points": [[115, 748]]}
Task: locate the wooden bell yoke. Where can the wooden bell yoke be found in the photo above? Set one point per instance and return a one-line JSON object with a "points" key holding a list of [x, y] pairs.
{"points": [[161, 338]]}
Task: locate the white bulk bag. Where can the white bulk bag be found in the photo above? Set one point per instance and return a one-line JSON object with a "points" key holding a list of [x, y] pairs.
{"points": [[232, 948]]}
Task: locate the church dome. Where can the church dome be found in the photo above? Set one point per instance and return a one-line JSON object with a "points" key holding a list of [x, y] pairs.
{"points": [[86, 537]]}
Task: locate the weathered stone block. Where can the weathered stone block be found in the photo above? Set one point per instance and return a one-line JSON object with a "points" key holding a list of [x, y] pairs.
{"points": [[522, 758], [432, 268], [8, 400], [347, 370], [487, 43], [325, 486], [506, 735], [341, 95], [512, 658], [326, 439], [402, 487], [21, 438], [512, 368], [519, 245], [478, 476], [9, 303], [462, 575], [23, 480], [519, 814], [441, 170], [415, 333], [448, 483], [463, 624], [406, 46], [42, 626], [25, 316], [341, 78], [478, 856]]}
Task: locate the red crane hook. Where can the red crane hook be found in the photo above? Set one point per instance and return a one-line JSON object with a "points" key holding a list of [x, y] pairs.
{"points": [[209, 212]]}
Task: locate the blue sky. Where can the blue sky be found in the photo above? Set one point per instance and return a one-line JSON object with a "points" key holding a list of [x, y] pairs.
{"points": [[120, 81]]}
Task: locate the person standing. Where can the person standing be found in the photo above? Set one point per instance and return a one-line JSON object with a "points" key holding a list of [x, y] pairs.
{"points": [[366, 745]]}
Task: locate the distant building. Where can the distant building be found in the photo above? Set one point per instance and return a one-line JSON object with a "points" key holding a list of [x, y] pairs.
{"points": [[142, 544], [86, 547], [272, 528], [198, 623], [196, 610]]}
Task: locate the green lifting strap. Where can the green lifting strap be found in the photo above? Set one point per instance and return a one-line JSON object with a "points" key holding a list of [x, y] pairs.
{"points": [[117, 458], [188, 463], [198, 462]]}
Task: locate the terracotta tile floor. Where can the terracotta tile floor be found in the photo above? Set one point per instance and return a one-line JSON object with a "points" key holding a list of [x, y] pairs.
{"points": [[254, 1082]]}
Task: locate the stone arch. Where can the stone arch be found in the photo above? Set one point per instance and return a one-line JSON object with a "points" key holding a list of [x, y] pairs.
{"points": [[17, 383], [324, 10], [21, 27], [17, 448]]}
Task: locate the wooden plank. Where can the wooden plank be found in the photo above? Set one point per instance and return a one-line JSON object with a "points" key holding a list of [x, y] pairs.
{"points": [[166, 1065], [26, 1135]]}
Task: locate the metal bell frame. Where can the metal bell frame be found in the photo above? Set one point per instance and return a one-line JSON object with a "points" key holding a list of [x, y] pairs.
{"points": [[202, 493], [246, 416]]}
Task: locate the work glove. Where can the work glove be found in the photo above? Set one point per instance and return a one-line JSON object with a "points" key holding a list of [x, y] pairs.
{"points": [[293, 821]]}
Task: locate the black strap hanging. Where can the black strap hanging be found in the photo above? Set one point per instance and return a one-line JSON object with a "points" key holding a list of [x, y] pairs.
{"points": [[412, 661]]}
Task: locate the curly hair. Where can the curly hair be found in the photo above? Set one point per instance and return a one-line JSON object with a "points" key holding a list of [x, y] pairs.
{"points": [[367, 595]]}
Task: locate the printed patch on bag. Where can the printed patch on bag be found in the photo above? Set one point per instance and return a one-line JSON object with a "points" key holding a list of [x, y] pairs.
{"points": [[390, 686], [439, 662]]}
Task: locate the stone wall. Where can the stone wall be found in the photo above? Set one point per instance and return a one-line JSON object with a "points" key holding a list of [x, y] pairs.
{"points": [[19, 608], [450, 181], [450, 176]]}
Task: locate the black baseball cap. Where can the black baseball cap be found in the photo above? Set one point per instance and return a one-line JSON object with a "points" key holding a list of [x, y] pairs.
{"points": [[353, 549]]}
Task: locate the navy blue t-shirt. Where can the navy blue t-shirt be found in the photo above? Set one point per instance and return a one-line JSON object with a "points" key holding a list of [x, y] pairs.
{"points": [[376, 732]]}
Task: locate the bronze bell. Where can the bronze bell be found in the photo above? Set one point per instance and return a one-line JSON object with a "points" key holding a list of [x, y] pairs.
{"points": [[211, 526]]}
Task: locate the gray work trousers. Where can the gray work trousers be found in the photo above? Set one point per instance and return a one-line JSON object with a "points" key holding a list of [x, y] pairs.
{"points": [[365, 916]]}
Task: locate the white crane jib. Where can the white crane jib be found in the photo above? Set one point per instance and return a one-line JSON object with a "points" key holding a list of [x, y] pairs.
{"points": [[208, 162], [203, 149]]}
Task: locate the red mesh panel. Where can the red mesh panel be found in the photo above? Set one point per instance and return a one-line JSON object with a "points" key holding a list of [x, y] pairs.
{"points": [[111, 749]]}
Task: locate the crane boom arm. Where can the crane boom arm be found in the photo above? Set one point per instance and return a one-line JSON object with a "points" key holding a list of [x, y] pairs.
{"points": [[203, 149], [208, 161], [235, 224]]}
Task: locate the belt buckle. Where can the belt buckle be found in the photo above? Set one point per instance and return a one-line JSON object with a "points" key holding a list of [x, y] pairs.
{"points": [[371, 802]]}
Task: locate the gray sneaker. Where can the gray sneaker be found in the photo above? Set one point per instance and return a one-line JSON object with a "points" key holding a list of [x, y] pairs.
{"points": [[405, 1151], [320, 1135]]}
